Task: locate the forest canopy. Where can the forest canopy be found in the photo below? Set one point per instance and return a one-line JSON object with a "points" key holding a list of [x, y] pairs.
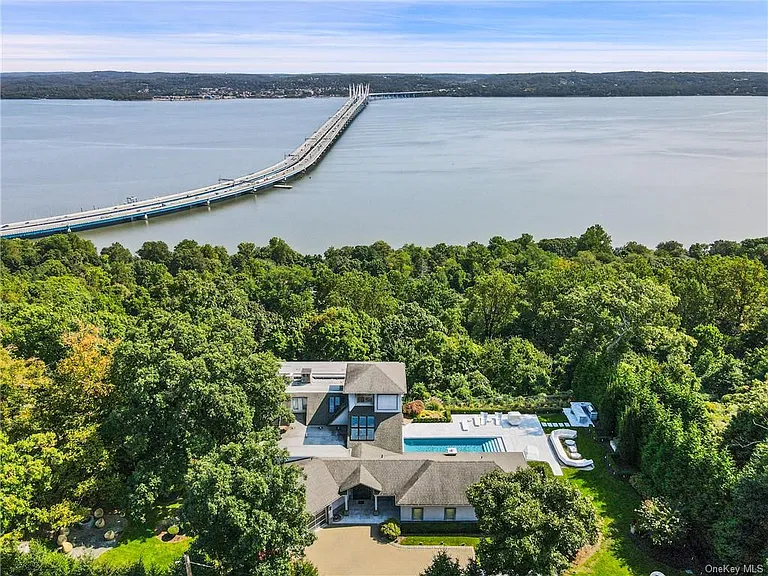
{"points": [[121, 373]]}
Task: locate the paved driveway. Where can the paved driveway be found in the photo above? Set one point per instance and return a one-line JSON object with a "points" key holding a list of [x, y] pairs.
{"points": [[354, 551]]}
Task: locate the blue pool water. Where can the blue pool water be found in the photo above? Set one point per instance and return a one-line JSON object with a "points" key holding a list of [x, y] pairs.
{"points": [[461, 444]]}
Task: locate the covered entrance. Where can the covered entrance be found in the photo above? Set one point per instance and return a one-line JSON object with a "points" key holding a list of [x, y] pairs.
{"points": [[363, 502]]}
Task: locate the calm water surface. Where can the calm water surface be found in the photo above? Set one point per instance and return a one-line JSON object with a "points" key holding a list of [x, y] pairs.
{"points": [[424, 170]]}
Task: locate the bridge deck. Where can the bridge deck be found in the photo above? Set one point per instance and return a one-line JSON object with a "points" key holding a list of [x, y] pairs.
{"points": [[294, 165]]}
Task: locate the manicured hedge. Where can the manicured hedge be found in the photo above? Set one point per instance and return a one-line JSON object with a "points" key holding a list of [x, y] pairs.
{"points": [[430, 420], [430, 528]]}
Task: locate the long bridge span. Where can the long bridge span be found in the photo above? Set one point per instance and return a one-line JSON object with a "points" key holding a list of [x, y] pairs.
{"points": [[294, 165]]}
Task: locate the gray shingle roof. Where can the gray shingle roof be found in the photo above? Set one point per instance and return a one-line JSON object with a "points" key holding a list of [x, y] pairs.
{"points": [[321, 487], [375, 378], [361, 476], [413, 479], [442, 483]]}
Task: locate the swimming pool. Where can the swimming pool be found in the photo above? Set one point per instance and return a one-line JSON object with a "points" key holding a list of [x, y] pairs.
{"points": [[461, 444]]}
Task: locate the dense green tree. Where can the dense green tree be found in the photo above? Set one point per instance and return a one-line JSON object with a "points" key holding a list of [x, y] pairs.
{"points": [[341, 334], [515, 367], [491, 305], [532, 524], [185, 388], [742, 536], [443, 565], [246, 507]]}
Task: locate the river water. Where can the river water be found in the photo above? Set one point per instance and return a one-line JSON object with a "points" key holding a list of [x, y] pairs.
{"points": [[424, 170]]}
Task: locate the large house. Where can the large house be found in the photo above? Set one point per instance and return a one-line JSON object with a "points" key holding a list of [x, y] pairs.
{"points": [[348, 438]]}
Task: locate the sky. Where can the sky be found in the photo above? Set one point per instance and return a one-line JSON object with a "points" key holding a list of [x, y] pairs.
{"points": [[409, 36]]}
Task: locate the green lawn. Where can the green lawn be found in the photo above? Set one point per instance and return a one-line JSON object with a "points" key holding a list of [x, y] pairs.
{"points": [[616, 502], [140, 543], [439, 540], [552, 417]]}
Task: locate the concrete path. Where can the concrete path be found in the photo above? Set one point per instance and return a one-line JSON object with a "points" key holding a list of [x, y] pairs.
{"points": [[355, 551]]}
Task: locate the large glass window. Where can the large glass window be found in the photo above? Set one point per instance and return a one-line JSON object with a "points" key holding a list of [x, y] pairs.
{"points": [[449, 514], [334, 402], [362, 428], [298, 404], [364, 399], [417, 513]]}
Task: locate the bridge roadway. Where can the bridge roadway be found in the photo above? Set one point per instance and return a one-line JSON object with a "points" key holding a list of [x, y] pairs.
{"points": [[294, 165]]}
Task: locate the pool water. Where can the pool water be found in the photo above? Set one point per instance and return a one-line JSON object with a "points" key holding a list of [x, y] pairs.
{"points": [[461, 444]]}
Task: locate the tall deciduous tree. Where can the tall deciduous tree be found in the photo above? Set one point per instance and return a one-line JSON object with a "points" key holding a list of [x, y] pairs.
{"points": [[247, 507], [532, 524], [185, 388], [491, 306]]}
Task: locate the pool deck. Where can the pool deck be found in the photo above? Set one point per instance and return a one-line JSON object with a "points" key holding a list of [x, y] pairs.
{"points": [[528, 438]]}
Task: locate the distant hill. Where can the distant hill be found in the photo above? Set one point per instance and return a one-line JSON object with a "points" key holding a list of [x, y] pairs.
{"points": [[137, 86]]}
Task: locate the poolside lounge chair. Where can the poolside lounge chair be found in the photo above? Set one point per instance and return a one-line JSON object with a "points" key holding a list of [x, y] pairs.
{"points": [[498, 419], [514, 418], [484, 418], [464, 425], [476, 420]]}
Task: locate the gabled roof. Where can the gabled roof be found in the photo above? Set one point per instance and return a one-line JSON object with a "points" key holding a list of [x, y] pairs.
{"points": [[413, 479], [442, 483], [320, 486], [375, 378], [361, 476]]}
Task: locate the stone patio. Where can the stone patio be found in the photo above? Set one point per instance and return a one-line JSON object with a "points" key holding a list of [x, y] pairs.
{"points": [[321, 441]]}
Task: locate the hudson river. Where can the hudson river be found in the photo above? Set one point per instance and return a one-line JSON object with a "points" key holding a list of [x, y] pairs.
{"points": [[422, 170]]}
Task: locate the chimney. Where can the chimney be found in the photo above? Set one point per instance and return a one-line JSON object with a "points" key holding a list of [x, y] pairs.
{"points": [[306, 375]]}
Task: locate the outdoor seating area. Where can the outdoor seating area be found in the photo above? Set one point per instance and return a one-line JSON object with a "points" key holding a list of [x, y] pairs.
{"points": [[564, 444], [555, 424]]}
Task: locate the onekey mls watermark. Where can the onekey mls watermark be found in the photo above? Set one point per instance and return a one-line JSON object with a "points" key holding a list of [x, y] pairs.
{"points": [[732, 569]]}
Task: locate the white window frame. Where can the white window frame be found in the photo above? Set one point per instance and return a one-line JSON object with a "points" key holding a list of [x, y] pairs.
{"points": [[302, 402], [421, 514]]}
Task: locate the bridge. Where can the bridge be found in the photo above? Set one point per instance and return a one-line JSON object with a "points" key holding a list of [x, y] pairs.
{"points": [[294, 165], [387, 95]]}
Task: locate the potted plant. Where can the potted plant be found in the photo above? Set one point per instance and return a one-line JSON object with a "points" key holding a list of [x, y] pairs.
{"points": [[66, 547], [100, 522], [109, 535]]}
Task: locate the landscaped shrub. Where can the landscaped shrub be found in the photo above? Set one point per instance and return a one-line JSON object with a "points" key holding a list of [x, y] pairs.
{"points": [[413, 408], [390, 529], [434, 528], [434, 403], [173, 529], [43, 562], [303, 567], [659, 523]]}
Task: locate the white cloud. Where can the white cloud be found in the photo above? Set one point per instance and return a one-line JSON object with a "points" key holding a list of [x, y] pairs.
{"points": [[331, 52]]}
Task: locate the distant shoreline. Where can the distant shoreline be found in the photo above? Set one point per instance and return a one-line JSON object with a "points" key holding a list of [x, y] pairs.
{"points": [[162, 86]]}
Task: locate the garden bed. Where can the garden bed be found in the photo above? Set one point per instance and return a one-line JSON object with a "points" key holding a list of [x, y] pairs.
{"points": [[439, 540]]}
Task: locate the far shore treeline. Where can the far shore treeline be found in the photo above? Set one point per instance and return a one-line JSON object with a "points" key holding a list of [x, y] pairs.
{"points": [[110, 85], [130, 380]]}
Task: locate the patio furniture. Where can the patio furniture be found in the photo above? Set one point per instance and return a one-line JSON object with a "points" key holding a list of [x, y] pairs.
{"points": [[570, 442], [498, 418], [514, 418], [476, 421], [484, 418], [556, 438], [464, 425]]}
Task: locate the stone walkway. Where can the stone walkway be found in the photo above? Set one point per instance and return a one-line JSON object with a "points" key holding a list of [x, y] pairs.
{"points": [[355, 551]]}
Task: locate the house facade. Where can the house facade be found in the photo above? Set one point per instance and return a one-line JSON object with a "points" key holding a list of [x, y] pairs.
{"points": [[348, 439]]}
